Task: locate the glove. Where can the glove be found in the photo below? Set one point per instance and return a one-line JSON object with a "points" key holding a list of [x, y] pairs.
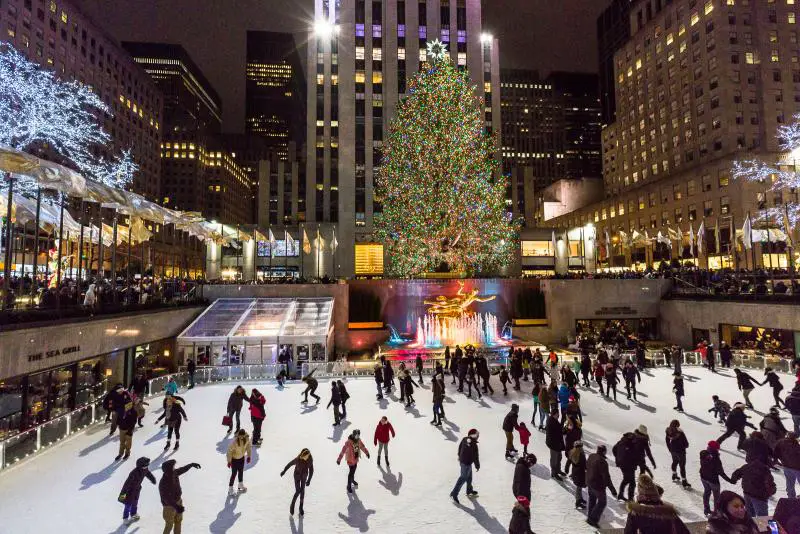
{"points": [[338, 462], [248, 459], [180, 509], [195, 465], [229, 465], [308, 483], [477, 468], [367, 456], [283, 473]]}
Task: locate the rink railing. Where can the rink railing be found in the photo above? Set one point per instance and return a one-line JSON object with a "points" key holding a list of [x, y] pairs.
{"points": [[42, 437]]}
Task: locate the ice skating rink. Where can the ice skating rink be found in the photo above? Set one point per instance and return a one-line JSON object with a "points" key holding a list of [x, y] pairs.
{"points": [[74, 486]]}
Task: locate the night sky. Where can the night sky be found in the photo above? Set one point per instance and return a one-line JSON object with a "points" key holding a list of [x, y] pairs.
{"points": [[541, 34]]}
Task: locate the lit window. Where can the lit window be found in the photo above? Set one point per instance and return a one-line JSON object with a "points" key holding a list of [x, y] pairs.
{"points": [[774, 56], [695, 19], [730, 2], [487, 87], [359, 52], [368, 259], [537, 249], [709, 7], [64, 17], [670, 38], [320, 79], [360, 77], [791, 18], [377, 54], [377, 77], [401, 53], [638, 64], [423, 55], [749, 58]]}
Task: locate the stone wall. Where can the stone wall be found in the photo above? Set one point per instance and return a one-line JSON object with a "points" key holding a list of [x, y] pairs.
{"points": [[29, 350]]}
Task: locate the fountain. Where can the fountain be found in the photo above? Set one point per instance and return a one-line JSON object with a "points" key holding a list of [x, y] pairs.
{"points": [[435, 331], [505, 332], [394, 336]]}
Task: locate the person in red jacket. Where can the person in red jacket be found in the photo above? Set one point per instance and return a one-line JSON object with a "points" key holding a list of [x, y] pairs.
{"points": [[382, 432], [257, 414], [524, 437]]}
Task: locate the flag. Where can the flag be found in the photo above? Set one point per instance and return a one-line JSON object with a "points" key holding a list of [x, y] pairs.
{"points": [[673, 234], [289, 240], [334, 242], [272, 244], [747, 233], [553, 242], [623, 238], [701, 235], [716, 237], [691, 237], [661, 238], [635, 236], [306, 243]]}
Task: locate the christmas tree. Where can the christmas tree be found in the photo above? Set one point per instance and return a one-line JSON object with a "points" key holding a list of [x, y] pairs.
{"points": [[443, 206]]}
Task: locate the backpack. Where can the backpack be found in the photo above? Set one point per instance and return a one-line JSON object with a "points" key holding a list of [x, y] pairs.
{"points": [[625, 452]]}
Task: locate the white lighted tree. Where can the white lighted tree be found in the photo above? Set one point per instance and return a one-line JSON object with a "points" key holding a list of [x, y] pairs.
{"points": [[776, 177]]}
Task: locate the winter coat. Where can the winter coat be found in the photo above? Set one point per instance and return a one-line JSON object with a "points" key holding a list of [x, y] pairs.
{"points": [[737, 420], [586, 364], [522, 479], [721, 523], [676, 441], [725, 354], [524, 435], [625, 452], [379, 375], [510, 421], [343, 394], [578, 471], [544, 398], [504, 377], [788, 452], [597, 475], [572, 434], [169, 487], [563, 396], [745, 381], [418, 362], [793, 401], [520, 520], [611, 375], [757, 449], [139, 385], [173, 415], [133, 484], [257, 410], [351, 450], [127, 422], [408, 384], [554, 435], [239, 449], [774, 381], [336, 399], [655, 518], [303, 469], [630, 374], [235, 402], [711, 467], [677, 386], [382, 432], [757, 480], [773, 429], [438, 391], [643, 448], [468, 452], [171, 388]]}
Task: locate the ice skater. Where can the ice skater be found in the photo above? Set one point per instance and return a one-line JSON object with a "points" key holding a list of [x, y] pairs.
{"points": [[311, 386], [524, 437], [139, 405], [303, 471], [736, 422], [577, 459], [173, 416], [437, 389], [351, 451], [721, 409], [472, 381], [258, 413], [597, 480], [746, 385], [631, 373], [388, 375], [774, 382], [419, 365], [239, 451], [234, 408], [677, 388], [378, 375], [384, 431], [467, 457], [482, 369], [407, 385], [335, 401], [504, 379], [677, 444], [129, 496], [127, 424], [169, 489], [554, 439], [510, 424], [343, 396], [521, 484]]}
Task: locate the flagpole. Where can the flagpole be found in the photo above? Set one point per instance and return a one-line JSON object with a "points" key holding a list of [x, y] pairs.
{"points": [[302, 252], [255, 255], [271, 250], [285, 252], [732, 245], [789, 240], [318, 243], [335, 246]]}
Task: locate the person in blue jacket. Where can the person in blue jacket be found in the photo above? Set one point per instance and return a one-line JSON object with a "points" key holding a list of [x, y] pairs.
{"points": [[563, 400]]}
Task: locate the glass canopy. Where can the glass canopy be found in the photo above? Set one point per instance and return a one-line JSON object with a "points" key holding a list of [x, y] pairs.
{"points": [[262, 320]]}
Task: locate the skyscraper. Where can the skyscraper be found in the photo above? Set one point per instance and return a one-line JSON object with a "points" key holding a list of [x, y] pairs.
{"points": [[613, 31], [360, 56], [274, 90]]}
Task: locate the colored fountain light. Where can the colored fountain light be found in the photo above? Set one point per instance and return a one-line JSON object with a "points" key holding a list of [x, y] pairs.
{"points": [[469, 329]]}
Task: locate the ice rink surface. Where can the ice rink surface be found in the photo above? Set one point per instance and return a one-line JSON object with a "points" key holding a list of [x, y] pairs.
{"points": [[74, 486]]}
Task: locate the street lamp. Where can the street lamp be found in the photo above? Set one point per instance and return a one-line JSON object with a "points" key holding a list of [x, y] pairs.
{"points": [[486, 38], [324, 28]]}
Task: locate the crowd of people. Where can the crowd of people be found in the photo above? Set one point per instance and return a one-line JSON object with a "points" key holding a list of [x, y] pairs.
{"points": [[555, 387]]}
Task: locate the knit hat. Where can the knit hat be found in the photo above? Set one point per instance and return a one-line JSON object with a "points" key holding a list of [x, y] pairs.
{"points": [[642, 430], [523, 500], [577, 443], [646, 489], [473, 433], [739, 405], [713, 445]]}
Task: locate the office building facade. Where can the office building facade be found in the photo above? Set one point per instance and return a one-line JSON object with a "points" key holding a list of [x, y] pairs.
{"points": [[59, 37], [613, 31], [699, 85], [361, 55], [275, 91]]}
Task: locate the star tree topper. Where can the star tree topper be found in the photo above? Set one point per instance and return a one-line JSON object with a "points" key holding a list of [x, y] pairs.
{"points": [[437, 49]]}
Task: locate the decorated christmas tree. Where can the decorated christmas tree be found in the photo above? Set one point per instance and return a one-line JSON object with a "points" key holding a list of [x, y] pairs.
{"points": [[443, 205]]}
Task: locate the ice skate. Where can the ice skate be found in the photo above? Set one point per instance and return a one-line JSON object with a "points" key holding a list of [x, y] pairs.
{"points": [[675, 477], [231, 491], [301, 512], [127, 455], [166, 447], [455, 499], [117, 459], [472, 494], [242, 488], [135, 517], [686, 484], [177, 444], [128, 521]]}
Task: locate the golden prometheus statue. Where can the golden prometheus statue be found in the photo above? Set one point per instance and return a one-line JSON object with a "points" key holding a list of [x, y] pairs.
{"points": [[455, 306]]}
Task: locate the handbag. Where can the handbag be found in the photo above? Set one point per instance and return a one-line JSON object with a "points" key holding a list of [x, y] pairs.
{"points": [[122, 497], [226, 420]]}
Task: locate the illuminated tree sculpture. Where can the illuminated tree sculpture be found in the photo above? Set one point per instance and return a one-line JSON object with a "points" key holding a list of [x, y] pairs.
{"points": [[442, 203], [777, 179]]}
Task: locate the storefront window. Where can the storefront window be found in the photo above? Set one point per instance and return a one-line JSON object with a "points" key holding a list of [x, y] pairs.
{"points": [[91, 383], [765, 340], [154, 360], [537, 249], [10, 407], [49, 395]]}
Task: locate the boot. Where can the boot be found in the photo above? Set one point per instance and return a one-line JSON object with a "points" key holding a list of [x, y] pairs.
{"points": [[301, 510], [379, 461], [675, 477], [118, 457], [242, 488], [177, 444], [387, 461], [686, 484], [127, 455], [166, 447], [231, 492]]}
